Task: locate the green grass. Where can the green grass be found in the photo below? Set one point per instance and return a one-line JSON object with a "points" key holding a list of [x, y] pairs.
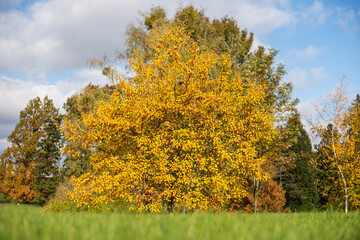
{"points": [[30, 222]]}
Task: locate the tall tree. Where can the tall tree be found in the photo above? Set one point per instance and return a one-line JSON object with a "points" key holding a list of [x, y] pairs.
{"points": [[336, 150], [299, 180], [33, 159], [179, 135], [353, 133], [219, 35], [222, 36]]}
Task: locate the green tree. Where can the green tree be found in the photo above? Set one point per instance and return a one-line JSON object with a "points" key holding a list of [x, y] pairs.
{"points": [[354, 124], [218, 35], [77, 106], [299, 181], [34, 154]]}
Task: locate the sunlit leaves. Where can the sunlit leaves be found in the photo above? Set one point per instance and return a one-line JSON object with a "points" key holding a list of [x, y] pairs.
{"points": [[176, 136], [338, 156]]}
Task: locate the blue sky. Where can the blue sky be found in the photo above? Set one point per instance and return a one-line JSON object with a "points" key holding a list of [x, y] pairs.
{"points": [[44, 45]]}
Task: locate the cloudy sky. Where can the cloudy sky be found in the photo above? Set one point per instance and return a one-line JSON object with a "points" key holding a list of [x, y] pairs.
{"points": [[45, 44]]}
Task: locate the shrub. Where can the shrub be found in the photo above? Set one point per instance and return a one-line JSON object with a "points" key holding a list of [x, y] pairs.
{"points": [[61, 202], [271, 198]]}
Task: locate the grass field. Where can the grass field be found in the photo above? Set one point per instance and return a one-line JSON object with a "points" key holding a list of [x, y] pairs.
{"points": [[30, 222]]}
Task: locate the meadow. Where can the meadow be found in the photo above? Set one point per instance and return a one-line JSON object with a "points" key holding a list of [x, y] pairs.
{"points": [[31, 222]]}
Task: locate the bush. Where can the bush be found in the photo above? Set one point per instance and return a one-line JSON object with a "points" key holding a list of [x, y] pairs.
{"points": [[60, 206], [271, 198], [61, 202], [4, 198]]}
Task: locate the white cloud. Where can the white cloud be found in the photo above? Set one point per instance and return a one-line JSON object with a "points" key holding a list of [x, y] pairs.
{"points": [[60, 34], [312, 109], [55, 34], [308, 110], [308, 53], [301, 78], [347, 21], [15, 94], [316, 14], [263, 17], [257, 43], [3, 144]]}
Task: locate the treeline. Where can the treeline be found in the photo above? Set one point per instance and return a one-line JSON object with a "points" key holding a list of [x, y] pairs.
{"points": [[204, 123]]}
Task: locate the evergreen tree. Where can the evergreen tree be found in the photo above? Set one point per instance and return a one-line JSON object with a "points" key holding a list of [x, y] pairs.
{"points": [[354, 124], [300, 180]]}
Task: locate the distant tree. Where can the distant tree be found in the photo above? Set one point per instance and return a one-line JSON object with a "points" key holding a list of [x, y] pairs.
{"points": [[16, 181], [77, 106], [331, 192], [33, 160], [299, 180], [353, 133], [219, 35], [337, 157]]}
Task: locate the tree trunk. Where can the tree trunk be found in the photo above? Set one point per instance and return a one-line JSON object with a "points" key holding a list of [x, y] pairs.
{"points": [[185, 208], [256, 193], [341, 173], [59, 167], [345, 188]]}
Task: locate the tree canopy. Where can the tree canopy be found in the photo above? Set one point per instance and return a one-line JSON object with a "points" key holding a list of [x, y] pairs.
{"points": [[184, 133], [32, 162]]}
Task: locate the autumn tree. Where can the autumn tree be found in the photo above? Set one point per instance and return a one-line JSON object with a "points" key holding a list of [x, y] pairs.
{"points": [[271, 198], [77, 106], [16, 184], [218, 35], [221, 36], [183, 134], [353, 133], [336, 148], [33, 159]]}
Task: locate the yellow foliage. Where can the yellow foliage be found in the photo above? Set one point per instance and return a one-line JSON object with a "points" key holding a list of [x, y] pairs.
{"points": [[339, 153], [183, 133]]}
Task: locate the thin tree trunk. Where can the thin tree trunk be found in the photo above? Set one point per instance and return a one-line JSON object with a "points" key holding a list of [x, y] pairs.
{"points": [[256, 193], [185, 208], [59, 167], [341, 173]]}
